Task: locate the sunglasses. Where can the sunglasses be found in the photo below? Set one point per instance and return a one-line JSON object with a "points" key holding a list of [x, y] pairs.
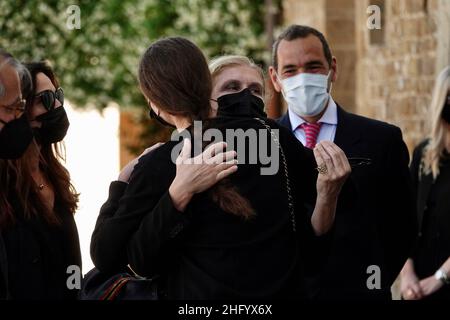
{"points": [[358, 162], [48, 98]]}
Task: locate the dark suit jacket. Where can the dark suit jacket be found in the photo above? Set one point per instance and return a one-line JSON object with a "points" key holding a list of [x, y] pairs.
{"points": [[375, 221]]}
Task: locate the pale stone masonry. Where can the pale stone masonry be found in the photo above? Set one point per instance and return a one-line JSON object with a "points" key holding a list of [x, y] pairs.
{"points": [[390, 75]]}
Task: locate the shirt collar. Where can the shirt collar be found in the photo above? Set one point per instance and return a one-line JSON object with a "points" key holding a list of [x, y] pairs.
{"points": [[329, 117]]}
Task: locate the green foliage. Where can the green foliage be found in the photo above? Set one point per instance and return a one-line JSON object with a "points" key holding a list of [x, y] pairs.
{"points": [[97, 64]]}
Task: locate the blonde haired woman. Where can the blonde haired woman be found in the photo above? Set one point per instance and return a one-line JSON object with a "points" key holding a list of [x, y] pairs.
{"points": [[427, 273], [232, 74]]}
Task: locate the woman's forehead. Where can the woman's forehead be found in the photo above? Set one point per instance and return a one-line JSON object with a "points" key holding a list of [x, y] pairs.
{"points": [[239, 73], [43, 82]]}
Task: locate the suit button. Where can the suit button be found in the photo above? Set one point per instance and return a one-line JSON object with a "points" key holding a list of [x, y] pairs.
{"points": [[35, 260], [420, 234]]}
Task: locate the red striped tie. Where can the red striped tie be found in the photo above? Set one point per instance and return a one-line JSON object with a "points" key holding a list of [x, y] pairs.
{"points": [[311, 132]]}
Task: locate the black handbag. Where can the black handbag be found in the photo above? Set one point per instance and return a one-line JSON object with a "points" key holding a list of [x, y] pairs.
{"points": [[121, 286]]}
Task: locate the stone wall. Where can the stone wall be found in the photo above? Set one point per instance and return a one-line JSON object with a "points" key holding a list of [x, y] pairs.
{"points": [[396, 77]]}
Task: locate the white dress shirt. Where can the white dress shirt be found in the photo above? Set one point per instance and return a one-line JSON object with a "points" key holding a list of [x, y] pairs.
{"points": [[329, 122]]}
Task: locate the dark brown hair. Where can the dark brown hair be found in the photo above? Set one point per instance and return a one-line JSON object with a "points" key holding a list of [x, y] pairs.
{"points": [[16, 178], [298, 31], [174, 75]]}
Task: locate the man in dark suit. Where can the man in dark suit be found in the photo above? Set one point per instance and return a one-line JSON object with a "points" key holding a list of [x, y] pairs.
{"points": [[375, 223]]}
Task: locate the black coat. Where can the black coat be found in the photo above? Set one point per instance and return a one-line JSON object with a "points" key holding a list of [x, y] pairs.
{"points": [[205, 253], [36, 256], [422, 184], [433, 215], [375, 224]]}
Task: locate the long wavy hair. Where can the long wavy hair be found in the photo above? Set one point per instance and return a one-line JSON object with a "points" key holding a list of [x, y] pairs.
{"points": [[16, 181], [438, 138]]}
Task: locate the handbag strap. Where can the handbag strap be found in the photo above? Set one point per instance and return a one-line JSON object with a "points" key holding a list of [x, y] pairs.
{"points": [[113, 291], [286, 173]]}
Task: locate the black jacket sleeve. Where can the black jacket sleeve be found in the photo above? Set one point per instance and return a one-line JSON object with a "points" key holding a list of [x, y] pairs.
{"points": [[398, 225], [415, 179], [107, 211], [151, 246], [145, 198]]}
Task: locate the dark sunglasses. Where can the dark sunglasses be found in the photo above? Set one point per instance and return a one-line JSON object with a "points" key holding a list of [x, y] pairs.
{"points": [[48, 98], [358, 162]]}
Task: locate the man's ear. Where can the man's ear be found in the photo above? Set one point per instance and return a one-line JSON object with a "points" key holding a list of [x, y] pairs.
{"points": [[273, 77], [334, 68]]}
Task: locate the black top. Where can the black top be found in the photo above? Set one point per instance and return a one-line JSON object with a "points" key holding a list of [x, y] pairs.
{"points": [[38, 255], [433, 244], [375, 218], [205, 253]]}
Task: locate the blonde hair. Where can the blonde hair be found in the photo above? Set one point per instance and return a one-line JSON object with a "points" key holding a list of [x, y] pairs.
{"points": [[218, 64], [436, 145]]}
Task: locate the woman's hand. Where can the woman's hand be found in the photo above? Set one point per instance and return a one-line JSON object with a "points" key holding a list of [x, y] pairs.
{"points": [[334, 169], [430, 285], [126, 172], [195, 175], [409, 285]]}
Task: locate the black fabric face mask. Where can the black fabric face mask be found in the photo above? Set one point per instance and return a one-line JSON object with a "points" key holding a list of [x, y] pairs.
{"points": [[153, 115], [446, 110], [15, 137], [54, 126], [241, 104]]}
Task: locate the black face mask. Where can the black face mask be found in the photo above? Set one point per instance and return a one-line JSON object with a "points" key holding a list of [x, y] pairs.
{"points": [[241, 104], [15, 137], [54, 126], [153, 115], [446, 110]]}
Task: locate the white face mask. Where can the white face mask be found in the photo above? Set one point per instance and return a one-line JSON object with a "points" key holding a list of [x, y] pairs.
{"points": [[306, 93]]}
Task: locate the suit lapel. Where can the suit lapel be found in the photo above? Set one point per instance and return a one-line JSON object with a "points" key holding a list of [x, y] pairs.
{"points": [[347, 132], [285, 121], [348, 138]]}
